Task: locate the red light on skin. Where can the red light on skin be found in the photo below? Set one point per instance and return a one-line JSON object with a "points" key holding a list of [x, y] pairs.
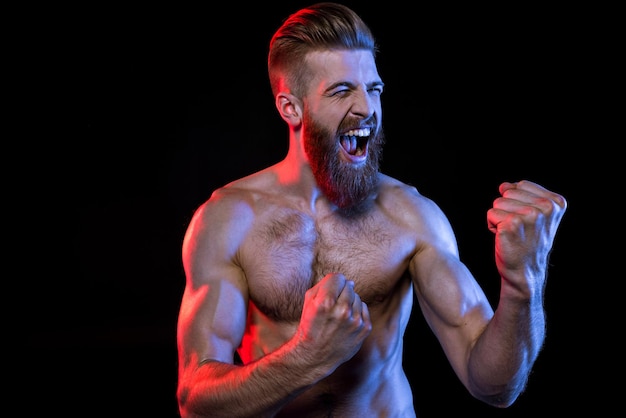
{"points": [[262, 329]]}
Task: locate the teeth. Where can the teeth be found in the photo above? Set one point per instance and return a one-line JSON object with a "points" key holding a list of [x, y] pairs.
{"points": [[358, 132]]}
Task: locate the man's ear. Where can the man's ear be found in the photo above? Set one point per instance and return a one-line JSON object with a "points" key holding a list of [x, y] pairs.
{"points": [[290, 108]]}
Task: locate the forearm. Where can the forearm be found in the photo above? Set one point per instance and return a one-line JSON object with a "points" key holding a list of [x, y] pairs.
{"points": [[258, 389], [502, 358]]}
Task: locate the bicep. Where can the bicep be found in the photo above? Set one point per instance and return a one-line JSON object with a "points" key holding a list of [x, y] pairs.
{"points": [[211, 321], [213, 309], [453, 304], [447, 291]]}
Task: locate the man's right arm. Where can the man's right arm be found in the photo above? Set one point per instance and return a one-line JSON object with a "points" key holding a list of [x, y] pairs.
{"points": [[212, 321]]}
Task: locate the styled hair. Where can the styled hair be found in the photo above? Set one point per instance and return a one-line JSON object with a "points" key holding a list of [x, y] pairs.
{"points": [[322, 26]]}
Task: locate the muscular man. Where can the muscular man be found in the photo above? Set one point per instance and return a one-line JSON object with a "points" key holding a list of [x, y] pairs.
{"points": [[300, 277]]}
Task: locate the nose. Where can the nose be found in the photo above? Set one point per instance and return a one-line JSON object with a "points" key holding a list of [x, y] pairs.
{"points": [[364, 104]]}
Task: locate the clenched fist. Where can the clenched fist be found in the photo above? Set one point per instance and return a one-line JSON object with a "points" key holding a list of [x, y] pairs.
{"points": [[334, 322]]}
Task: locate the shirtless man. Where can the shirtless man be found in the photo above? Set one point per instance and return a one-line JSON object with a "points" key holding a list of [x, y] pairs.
{"points": [[300, 277]]}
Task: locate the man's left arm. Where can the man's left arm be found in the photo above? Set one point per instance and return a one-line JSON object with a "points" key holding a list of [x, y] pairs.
{"points": [[525, 220]]}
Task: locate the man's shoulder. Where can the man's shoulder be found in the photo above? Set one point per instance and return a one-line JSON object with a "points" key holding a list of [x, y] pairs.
{"points": [[242, 188], [401, 197], [393, 186], [249, 194]]}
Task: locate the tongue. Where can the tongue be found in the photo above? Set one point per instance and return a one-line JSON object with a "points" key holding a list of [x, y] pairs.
{"points": [[349, 144]]}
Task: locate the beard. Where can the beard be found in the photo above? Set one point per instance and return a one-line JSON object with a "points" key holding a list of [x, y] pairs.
{"points": [[346, 185]]}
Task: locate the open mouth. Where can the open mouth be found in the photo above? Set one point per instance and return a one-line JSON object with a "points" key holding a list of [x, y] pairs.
{"points": [[354, 142]]}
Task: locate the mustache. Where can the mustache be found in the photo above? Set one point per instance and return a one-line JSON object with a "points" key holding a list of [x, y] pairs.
{"points": [[351, 122]]}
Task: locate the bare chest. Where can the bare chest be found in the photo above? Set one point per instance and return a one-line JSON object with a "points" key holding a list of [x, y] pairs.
{"points": [[290, 252]]}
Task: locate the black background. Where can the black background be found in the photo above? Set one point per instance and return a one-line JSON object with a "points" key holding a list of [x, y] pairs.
{"points": [[169, 104]]}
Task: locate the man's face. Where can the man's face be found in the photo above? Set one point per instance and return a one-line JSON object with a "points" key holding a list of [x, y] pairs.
{"points": [[342, 131]]}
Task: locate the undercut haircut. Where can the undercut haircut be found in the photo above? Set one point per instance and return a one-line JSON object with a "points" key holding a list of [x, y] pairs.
{"points": [[320, 27]]}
